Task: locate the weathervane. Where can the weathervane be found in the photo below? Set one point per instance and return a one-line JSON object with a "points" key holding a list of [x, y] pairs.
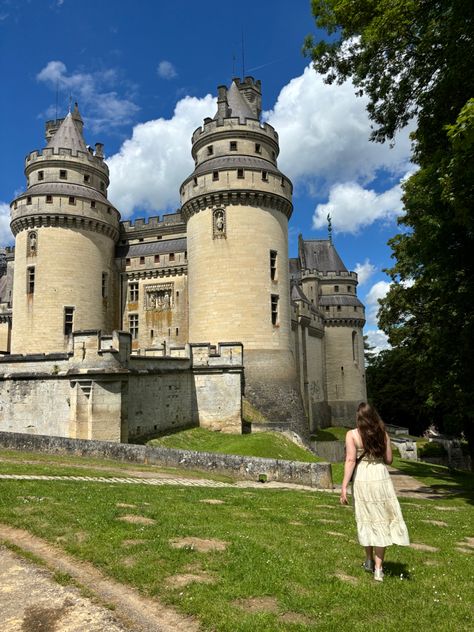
{"points": [[329, 228]]}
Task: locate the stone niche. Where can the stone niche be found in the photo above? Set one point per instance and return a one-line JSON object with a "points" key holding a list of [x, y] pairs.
{"points": [[159, 297]]}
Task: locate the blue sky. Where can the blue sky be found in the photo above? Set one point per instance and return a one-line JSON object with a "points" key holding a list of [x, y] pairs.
{"points": [[145, 75]]}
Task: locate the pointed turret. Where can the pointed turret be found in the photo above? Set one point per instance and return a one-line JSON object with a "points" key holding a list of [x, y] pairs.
{"points": [[69, 134]]}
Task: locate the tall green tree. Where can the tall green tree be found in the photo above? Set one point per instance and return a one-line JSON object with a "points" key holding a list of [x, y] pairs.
{"points": [[414, 60]]}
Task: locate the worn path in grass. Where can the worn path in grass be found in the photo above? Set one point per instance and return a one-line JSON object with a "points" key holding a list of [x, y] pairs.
{"points": [[134, 611]]}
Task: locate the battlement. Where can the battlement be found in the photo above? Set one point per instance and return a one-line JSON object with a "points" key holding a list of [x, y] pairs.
{"points": [[156, 221], [235, 125], [329, 274], [87, 157]]}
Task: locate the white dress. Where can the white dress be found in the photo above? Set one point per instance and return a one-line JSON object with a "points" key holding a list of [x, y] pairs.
{"points": [[377, 511]]}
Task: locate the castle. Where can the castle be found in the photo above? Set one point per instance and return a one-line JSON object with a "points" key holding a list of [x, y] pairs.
{"points": [[114, 329]]}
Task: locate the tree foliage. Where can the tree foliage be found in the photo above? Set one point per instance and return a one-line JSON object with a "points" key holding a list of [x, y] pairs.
{"points": [[414, 60]]}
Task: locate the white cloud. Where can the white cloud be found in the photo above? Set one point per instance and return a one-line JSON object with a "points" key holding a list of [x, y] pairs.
{"points": [[377, 339], [324, 135], [96, 93], [149, 168], [364, 271], [6, 236], [352, 207], [166, 70], [376, 292]]}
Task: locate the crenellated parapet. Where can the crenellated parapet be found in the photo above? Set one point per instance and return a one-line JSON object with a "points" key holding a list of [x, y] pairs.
{"points": [[233, 125]]}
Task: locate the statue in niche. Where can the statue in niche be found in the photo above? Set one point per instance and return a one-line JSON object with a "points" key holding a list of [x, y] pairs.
{"points": [[159, 297], [32, 243], [219, 223]]}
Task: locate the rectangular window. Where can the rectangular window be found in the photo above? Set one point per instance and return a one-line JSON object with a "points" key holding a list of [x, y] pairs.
{"points": [[68, 320], [336, 288], [40, 175], [273, 265], [92, 203], [327, 308], [171, 256], [28, 199], [349, 288], [133, 292], [62, 174], [233, 145], [87, 178], [127, 261], [49, 199], [30, 280], [195, 182], [105, 284], [102, 186], [265, 176], [142, 260], [240, 173], [210, 150], [177, 331], [133, 325], [215, 175], [157, 258], [72, 200], [275, 299], [258, 149], [283, 182], [338, 308]]}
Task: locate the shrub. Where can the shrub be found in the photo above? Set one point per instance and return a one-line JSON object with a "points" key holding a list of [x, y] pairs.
{"points": [[432, 449]]}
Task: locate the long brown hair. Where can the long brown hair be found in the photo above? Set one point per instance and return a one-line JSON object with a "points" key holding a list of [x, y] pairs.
{"points": [[372, 430]]}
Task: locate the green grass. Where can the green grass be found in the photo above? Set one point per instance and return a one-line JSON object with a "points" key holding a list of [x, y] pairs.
{"points": [[334, 433], [271, 445], [279, 546]]}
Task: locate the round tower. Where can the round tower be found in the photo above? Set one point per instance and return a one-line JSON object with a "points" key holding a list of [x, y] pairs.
{"points": [[65, 233], [237, 204]]}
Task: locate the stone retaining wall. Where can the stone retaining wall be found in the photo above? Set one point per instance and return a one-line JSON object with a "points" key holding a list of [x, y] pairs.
{"points": [[316, 475]]}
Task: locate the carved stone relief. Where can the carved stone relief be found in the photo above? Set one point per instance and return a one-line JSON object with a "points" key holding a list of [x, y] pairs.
{"points": [[159, 296], [32, 243], [219, 223]]}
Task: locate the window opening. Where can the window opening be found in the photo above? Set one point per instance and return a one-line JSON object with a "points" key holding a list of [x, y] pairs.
{"points": [[68, 320], [273, 265], [133, 292], [62, 174], [40, 175], [274, 304], [133, 325], [30, 279]]}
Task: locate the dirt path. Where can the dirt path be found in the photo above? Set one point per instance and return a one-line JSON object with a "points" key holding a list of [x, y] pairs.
{"points": [[132, 611]]}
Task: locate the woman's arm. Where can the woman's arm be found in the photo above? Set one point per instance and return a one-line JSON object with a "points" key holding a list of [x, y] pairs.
{"points": [[349, 465], [388, 458]]}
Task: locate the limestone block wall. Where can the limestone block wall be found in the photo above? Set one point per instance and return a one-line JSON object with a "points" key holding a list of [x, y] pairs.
{"points": [[345, 371], [69, 265], [5, 332]]}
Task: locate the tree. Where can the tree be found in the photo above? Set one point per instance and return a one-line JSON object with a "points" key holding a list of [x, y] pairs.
{"points": [[413, 58]]}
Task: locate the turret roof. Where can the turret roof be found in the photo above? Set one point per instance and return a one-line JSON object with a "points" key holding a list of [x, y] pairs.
{"points": [[69, 134], [238, 105], [321, 255]]}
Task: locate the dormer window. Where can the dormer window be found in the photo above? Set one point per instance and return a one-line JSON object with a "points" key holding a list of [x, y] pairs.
{"points": [[62, 174], [40, 175], [233, 145]]}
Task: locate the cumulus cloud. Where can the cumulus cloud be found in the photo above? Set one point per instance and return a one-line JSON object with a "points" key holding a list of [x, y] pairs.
{"points": [[324, 135], [166, 70], [6, 236], [377, 339], [149, 168], [352, 207], [364, 271], [96, 92], [372, 298]]}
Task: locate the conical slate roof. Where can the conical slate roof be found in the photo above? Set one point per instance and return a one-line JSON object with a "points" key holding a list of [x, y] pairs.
{"points": [[69, 135], [237, 104]]}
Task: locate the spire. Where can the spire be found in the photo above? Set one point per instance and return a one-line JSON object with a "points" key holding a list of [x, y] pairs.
{"points": [[69, 133], [233, 103]]}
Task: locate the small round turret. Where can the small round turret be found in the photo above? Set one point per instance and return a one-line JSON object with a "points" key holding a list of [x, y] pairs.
{"points": [[65, 233]]}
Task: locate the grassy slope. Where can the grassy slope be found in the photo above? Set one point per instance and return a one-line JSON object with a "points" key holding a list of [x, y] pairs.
{"points": [[263, 444], [284, 544]]}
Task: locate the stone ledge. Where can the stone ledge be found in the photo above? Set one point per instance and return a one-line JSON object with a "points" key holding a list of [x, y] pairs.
{"points": [[317, 475]]}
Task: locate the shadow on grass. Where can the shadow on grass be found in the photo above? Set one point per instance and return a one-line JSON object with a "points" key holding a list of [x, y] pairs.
{"points": [[397, 569], [454, 484]]}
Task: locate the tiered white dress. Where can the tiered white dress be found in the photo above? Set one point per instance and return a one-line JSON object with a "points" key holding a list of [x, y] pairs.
{"points": [[377, 511]]}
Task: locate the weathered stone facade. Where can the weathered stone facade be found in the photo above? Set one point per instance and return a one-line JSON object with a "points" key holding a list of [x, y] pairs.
{"points": [[182, 285]]}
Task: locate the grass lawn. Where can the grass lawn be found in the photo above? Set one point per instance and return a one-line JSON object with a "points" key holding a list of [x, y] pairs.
{"points": [[292, 553], [271, 445]]}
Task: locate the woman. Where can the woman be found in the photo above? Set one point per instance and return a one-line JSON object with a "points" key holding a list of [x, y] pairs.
{"points": [[378, 514]]}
